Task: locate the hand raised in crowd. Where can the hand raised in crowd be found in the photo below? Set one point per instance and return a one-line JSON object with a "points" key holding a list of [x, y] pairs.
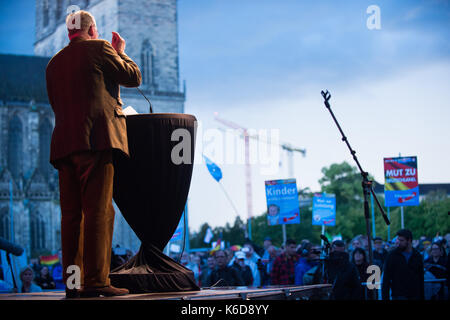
{"points": [[118, 42]]}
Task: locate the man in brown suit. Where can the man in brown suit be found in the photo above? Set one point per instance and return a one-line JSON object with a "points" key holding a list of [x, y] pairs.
{"points": [[83, 88]]}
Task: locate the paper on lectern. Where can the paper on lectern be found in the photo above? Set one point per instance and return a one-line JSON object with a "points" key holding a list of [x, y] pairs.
{"points": [[129, 111]]}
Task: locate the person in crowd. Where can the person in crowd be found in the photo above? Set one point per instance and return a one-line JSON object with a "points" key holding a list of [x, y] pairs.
{"points": [[356, 243], [252, 260], [437, 261], [338, 245], [447, 244], [27, 278], [425, 246], [243, 269], [36, 265], [206, 272], [230, 256], [308, 259], [187, 261], [266, 244], [359, 259], [268, 264], [283, 270], [344, 276], [224, 275], [57, 273], [196, 268], [45, 280], [436, 264], [403, 270], [364, 242], [379, 252]]}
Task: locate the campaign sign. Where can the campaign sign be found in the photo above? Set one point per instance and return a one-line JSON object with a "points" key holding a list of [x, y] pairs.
{"points": [[282, 202], [178, 234], [401, 186], [324, 210]]}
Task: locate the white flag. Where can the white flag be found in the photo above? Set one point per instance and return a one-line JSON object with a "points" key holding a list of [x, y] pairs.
{"points": [[208, 236]]}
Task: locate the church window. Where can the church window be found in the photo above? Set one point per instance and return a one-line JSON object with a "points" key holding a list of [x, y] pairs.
{"points": [[147, 64], [5, 223], [45, 13], [59, 7], [37, 231], [45, 135], [15, 147]]}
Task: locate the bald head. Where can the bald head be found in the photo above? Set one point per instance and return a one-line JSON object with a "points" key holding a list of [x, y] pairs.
{"points": [[81, 23]]}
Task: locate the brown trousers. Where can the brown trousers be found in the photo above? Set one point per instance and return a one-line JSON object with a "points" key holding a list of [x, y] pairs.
{"points": [[87, 215]]}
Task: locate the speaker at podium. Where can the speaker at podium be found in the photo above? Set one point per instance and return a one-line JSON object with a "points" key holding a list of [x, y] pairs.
{"points": [[151, 189]]}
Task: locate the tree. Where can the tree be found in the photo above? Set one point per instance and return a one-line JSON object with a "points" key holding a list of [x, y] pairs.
{"points": [[427, 219], [344, 181]]}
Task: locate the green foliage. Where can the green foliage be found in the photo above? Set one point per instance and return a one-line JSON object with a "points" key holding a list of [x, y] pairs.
{"points": [[427, 219]]}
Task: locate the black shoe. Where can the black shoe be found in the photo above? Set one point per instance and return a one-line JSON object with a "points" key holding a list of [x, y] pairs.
{"points": [[108, 291], [72, 293]]}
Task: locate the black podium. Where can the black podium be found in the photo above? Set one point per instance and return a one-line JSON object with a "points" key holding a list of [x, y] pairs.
{"points": [[151, 190]]}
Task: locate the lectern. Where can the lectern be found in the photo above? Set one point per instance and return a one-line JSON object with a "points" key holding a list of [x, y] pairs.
{"points": [[151, 189]]}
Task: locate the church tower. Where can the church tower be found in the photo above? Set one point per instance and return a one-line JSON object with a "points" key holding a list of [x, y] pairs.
{"points": [[149, 28]]}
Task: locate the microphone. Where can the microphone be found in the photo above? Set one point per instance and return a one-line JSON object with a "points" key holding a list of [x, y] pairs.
{"points": [[151, 108], [10, 247], [325, 239]]}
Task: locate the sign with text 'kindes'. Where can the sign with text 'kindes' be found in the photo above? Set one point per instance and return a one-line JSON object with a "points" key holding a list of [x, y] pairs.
{"points": [[401, 186], [282, 202]]}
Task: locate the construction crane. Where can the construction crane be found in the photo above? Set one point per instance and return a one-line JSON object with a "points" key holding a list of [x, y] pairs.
{"points": [[248, 172], [284, 146]]}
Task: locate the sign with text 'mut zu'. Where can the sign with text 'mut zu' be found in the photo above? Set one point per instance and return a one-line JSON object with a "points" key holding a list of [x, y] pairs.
{"points": [[324, 210], [282, 202], [401, 186]]}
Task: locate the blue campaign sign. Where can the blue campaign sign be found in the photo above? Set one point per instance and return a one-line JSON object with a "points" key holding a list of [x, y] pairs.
{"points": [[324, 210], [282, 202]]}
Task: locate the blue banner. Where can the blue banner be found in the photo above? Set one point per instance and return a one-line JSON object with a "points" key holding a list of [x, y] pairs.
{"points": [[282, 202], [324, 210]]}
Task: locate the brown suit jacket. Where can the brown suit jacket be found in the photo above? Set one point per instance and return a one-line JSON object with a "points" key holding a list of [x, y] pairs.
{"points": [[83, 89]]}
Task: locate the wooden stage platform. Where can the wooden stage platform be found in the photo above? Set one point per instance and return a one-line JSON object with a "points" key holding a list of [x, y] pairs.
{"points": [[313, 292]]}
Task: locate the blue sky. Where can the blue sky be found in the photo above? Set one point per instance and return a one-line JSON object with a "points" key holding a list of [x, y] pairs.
{"points": [[262, 64]]}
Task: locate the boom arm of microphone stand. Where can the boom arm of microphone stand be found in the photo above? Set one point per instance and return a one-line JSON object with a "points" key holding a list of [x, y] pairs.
{"points": [[386, 219], [326, 96]]}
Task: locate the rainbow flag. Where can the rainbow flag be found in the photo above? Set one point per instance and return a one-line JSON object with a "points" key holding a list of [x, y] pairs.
{"points": [[217, 247], [49, 260]]}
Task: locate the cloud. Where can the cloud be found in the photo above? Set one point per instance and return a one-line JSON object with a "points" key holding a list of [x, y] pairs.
{"points": [[404, 112]]}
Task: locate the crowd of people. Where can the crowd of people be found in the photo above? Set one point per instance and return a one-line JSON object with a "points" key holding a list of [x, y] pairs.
{"points": [[410, 269]]}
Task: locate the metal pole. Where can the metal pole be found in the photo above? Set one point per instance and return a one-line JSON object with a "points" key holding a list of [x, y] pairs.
{"points": [[11, 211], [290, 155], [323, 233], [389, 227], [402, 218], [374, 233]]}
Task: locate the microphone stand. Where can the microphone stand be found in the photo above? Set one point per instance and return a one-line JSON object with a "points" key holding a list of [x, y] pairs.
{"points": [[367, 185], [326, 252], [8, 258]]}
